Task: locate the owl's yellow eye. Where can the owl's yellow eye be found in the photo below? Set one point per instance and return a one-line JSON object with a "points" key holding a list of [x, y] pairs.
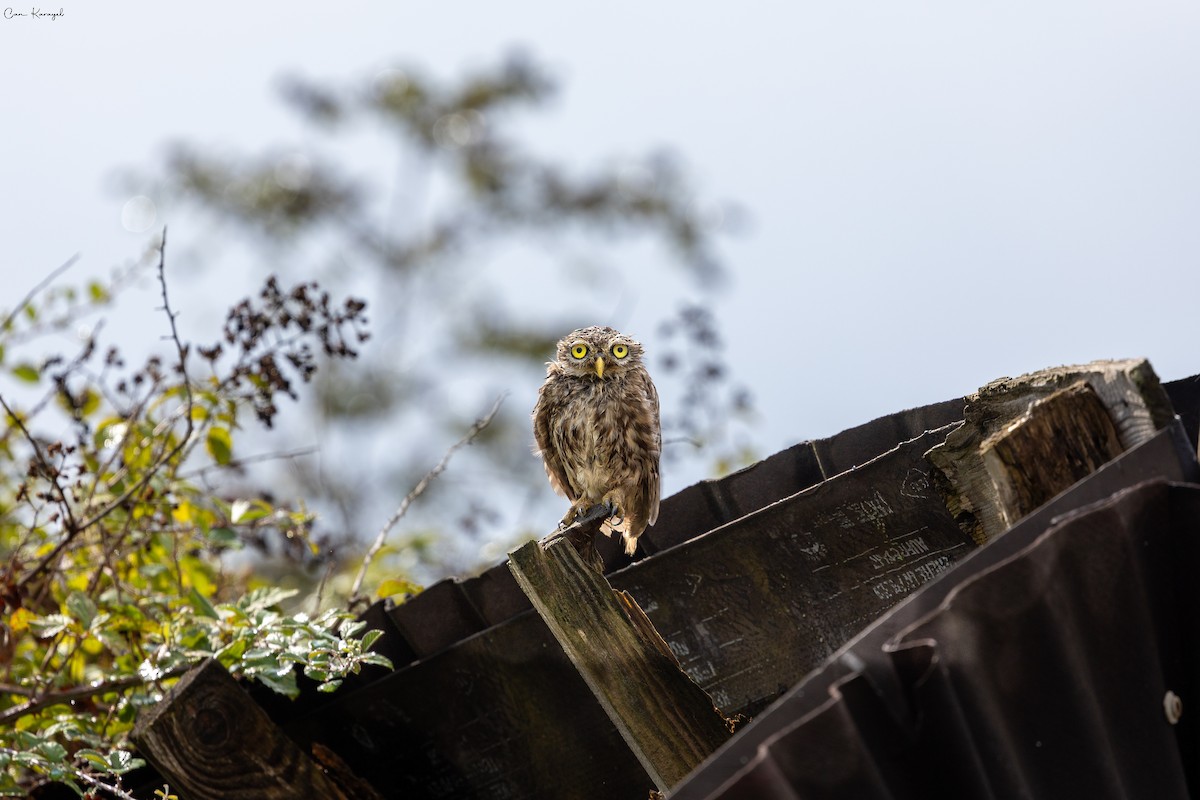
{"points": [[579, 350], [620, 351]]}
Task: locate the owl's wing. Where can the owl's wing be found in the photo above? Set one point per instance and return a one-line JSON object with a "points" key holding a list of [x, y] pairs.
{"points": [[543, 414], [653, 484]]}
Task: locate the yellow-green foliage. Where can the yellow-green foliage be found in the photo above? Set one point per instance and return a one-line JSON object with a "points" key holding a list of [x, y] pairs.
{"points": [[112, 581]]}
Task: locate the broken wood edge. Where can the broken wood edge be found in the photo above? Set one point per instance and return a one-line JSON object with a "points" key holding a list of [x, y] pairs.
{"points": [[1059, 441], [1129, 389]]}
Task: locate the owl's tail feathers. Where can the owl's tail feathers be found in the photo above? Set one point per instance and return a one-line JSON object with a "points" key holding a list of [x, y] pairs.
{"points": [[621, 525]]}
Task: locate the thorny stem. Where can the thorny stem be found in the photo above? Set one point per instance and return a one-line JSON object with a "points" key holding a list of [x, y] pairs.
{"points": [[416, 492]]}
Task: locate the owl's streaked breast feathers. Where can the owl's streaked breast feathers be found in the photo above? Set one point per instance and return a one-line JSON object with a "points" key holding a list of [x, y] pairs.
{"points": [[596, 424]]}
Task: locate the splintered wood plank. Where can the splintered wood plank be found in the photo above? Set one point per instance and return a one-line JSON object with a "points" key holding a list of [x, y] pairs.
{"points": [[210, 740], [668, 722], [1129, 391], [1060, 440]]}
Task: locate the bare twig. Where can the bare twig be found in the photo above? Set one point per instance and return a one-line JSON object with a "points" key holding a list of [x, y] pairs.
{"points": [[49, 279], [416, 492], [253, 459], [112, 789], [319, 596], [163, 458], [52, 473], [47, 699], [171, 315], [683, 440]]}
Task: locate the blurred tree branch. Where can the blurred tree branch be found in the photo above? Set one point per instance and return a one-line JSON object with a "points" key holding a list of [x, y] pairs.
{"points": [[380, 538], [448, 328]]}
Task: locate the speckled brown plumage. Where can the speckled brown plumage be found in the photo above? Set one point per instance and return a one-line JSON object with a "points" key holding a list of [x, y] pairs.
{"points": [[597, 430]]}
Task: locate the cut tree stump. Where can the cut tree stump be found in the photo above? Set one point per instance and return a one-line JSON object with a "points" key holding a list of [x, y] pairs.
{"points": [[1026, 439], [669, 723], [211, 741]]}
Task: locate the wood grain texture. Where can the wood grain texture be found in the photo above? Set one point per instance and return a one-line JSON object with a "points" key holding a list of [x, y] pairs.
{"points": [[668, 722], [1061, 439], [1128, 389], [210, 740]]}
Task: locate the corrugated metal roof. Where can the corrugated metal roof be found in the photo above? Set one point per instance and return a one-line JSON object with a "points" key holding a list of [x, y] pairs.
{"points": [[1037, 668]]}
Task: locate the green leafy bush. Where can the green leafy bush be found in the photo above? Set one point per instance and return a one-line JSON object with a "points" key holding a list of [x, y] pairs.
{"points": [[114, 547]]}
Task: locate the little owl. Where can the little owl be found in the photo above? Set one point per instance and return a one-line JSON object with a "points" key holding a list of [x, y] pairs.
{"points": [[596, 427]]}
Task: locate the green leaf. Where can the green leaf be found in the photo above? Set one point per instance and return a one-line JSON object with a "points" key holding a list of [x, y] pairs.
{"points": [[369, 639], [395, 586], [202, 605], [231, 653], [219, 445], [224, 537], [26, 372], [376, 659], [329, 686], [63, 776], [81, 608], [264, 598], [97, 292], [49, 625], [82, 405], [122, 761], [53, 751], [248, 511], [89, 403], [283, 684], [349, 628]]}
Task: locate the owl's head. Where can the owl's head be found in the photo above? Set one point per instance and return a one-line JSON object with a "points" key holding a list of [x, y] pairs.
{"points": [[598, 352]]}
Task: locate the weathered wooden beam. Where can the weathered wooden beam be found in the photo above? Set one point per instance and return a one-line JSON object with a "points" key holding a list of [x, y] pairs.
{"points": [[210, 740], [1062, 439], [668, 722], [1128, 391]]}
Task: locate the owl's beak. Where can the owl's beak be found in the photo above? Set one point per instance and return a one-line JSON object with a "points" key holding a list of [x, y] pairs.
{"points": [[599, 367]]}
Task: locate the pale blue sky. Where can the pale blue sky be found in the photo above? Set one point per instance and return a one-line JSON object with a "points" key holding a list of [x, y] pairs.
{"points": [[940, 193]]}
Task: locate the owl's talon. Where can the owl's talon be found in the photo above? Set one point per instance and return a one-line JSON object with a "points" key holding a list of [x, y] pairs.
{"points": [[598, 511]]}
